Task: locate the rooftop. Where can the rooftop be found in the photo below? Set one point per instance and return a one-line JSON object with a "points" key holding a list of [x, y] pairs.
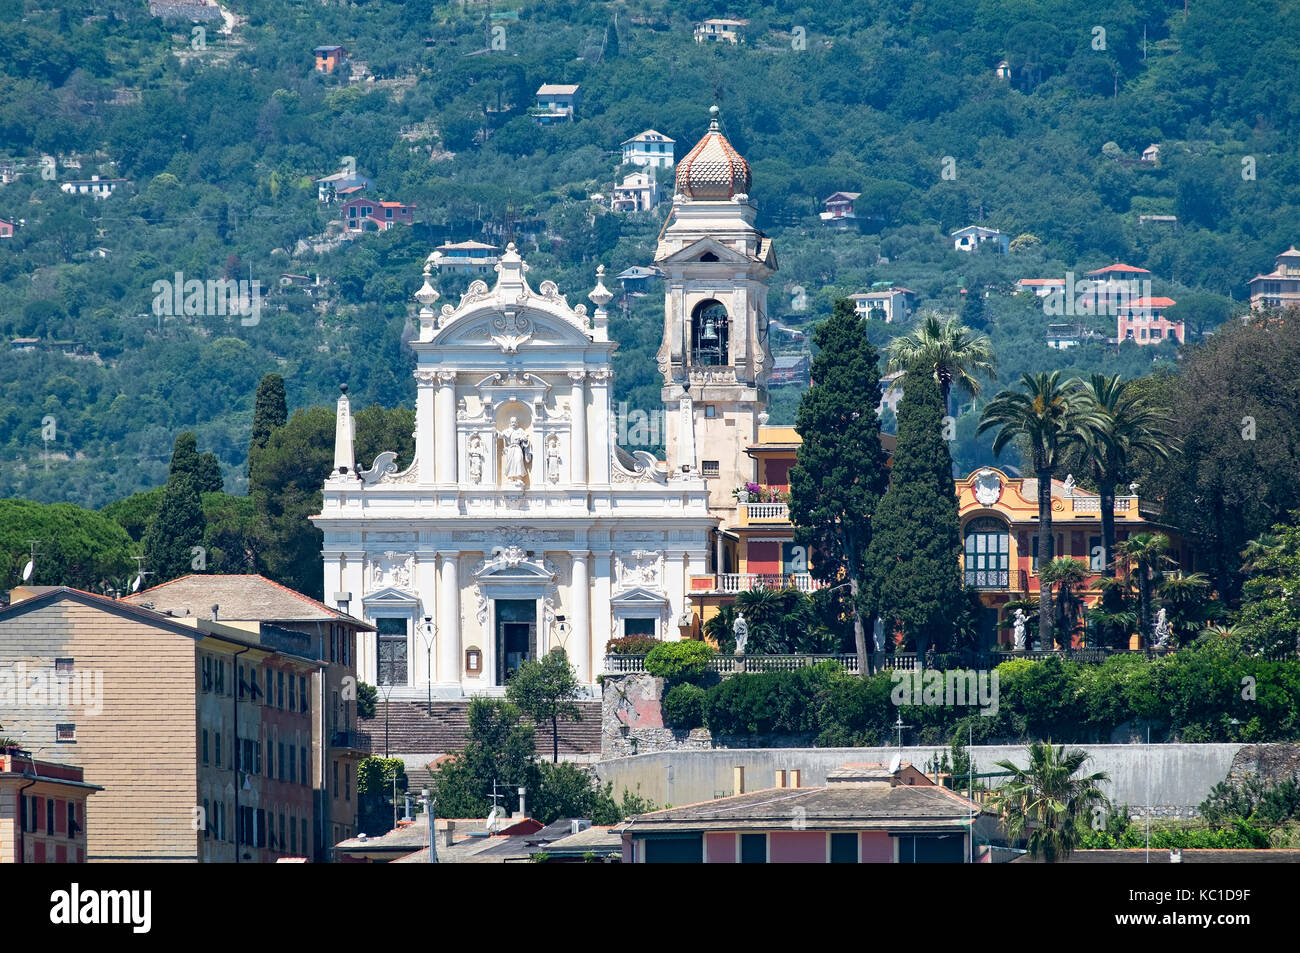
{"points": [[248, 598]]}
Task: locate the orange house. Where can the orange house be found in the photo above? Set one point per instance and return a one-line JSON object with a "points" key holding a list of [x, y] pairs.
{"points": [[329, 58], [999, 532]]}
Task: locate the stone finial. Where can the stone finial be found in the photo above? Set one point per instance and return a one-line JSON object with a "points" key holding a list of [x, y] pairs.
{"points": [[600, 294]]}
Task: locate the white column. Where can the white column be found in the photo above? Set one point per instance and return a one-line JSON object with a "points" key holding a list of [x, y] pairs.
{"points": [[676, 565], [600, 610], [599, 465], [580, 640], [578, 411], [446, 426], [449, 620], [424, 424]]}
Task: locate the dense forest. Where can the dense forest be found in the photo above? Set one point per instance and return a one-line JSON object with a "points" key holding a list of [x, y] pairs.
{"points": [[221, 136]]}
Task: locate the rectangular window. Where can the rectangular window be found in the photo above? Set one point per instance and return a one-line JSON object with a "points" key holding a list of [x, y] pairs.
{"points": [[302, 767], [280, 752], [336, 780], [217, 736], [72, 819], [284, 844], [270, 829], [221, 676], [347, 782], [302, 693], [242, 685], [205, 746], [63, 666], [49, 815], [207, 821], [709, 468], [844, 848], [207, 673], [392, 650], [639, 627], [293, 768], [266, 699], [65, 733], [753, 848], [293, 698], [293, 836], [279, 689], [305, 845]]}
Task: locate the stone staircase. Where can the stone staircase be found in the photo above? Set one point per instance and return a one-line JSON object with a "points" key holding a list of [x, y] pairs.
{"points": [[412, 730]]}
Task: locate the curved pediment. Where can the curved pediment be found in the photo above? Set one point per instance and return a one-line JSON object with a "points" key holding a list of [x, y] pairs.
{"points": [[489, 324]]}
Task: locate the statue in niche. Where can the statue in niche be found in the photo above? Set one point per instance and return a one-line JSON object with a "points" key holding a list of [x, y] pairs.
{"points": [[553, 459], [475, 459], [519, 453]]}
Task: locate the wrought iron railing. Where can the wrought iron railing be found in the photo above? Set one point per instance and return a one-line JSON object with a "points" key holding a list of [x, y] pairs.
{"points": [[902, 661]]}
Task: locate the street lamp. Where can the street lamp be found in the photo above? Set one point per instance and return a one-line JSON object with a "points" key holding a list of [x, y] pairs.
{"points": [[428, 809], [561, 629], [387, 689], [429, 632]]}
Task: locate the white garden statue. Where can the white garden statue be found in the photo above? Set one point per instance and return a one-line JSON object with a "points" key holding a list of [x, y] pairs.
{"points": [[1163, 630], [741, 629], [1019, 633]]}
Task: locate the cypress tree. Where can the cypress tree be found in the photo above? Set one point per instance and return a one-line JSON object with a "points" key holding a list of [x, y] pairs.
{"points": [[176, 528], [270, 412], [204, 468], [915, 545], [840, 471]]}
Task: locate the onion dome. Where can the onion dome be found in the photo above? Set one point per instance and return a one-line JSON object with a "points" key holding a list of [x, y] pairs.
{"points": [[713, 171]]}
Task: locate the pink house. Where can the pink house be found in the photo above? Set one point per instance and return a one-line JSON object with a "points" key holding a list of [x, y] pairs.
{"points": [[863, 814], [1144, 322], [839, 205], [371, 215], [6, 229]]}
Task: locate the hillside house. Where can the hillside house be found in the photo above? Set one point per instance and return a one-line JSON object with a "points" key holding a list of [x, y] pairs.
{"points": [[1144, 322], [889, 304], [973, 237], [721, 31], [639, 192], [839, 206], [636, 280], [790, 369], [369, 215], [342, 186], [466, 258], [6, 229], [1151, 154], [649, 149], [557, 102], [1003, 71], [1280, 288], [329, 58]]}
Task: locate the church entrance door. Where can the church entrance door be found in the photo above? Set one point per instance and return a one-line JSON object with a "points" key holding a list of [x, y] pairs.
{"points": [[516, 635]]}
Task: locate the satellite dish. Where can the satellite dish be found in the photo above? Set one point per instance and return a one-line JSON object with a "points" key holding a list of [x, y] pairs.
{"points": [[27, 570], [492, 819], [895, 762], [135, 586]]}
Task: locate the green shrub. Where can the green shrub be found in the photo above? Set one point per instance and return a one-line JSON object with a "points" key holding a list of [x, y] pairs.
{"points": [[631, 645], [683, 706], [678, 660]]}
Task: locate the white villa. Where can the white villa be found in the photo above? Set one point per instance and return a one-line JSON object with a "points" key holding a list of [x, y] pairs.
{"points": [[520, 525], [649, 148]]}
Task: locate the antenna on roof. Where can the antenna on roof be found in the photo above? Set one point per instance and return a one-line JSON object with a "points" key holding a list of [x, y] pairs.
{"points": [[895, 762], [31, 562]]}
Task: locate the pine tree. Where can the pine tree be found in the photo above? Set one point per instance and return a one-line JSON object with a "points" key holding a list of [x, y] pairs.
{"points": [[270, 412], [915, 542], [840, 472], [204, 468], [174, 531]]}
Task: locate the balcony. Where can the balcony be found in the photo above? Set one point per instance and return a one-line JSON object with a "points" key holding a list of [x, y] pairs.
{"points": [[1008, 580], [751, 513], [353, 740], [746, 581]]}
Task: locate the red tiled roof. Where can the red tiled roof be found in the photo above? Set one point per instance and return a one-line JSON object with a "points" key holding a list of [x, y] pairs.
{"points": [[1120, 266]]}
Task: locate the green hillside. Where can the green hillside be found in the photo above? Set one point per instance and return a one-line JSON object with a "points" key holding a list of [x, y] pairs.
{"points": [[222, 136]]}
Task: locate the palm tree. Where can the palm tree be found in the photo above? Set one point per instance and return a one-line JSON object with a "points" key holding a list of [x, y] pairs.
{"points": [[1066, 574], [1125, 429], [1045, 418], [1187, 594], [1048, 801], [1146, 554], [952, 351]]}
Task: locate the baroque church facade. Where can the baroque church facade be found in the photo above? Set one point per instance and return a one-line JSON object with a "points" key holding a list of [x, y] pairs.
{"points": [[521, 525]]}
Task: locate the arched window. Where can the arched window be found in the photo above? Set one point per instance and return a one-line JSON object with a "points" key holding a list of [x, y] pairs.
{"points": [[988, 554], [709, 330]]}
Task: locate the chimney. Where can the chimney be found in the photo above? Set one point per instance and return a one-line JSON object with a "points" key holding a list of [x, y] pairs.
{"points": [[738, 779], [523, 806]]}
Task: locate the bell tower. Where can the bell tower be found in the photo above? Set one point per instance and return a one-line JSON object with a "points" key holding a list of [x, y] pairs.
{"points": [[714, 357]]}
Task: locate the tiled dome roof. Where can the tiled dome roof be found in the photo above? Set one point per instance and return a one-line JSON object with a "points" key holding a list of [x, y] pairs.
{"points": [[714, 170]]}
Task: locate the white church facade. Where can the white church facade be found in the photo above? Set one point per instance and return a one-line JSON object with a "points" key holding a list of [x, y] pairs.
{"points": [[521, 526]]}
